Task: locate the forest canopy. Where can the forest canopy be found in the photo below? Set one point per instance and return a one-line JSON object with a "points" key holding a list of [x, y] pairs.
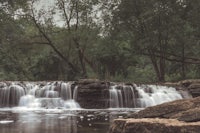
{"points": [[119, 40]]}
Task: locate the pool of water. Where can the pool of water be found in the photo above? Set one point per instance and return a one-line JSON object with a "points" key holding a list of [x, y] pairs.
{"points": [[25, 120]]}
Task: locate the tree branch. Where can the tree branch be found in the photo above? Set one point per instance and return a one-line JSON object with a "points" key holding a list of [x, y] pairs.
{"points": [[50, 43]]}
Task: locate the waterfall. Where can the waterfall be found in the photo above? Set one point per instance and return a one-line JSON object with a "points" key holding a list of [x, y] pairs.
{"points": [[151, 95], [66, 92], [75, 94], [10, 95], [114, 97], [38, 95], [60, 94], [128, 96], [122, 96]]}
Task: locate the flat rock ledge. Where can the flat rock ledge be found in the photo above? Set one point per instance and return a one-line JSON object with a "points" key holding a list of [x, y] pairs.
{"points": [[187, 110], [181, 116], [156, 125]]}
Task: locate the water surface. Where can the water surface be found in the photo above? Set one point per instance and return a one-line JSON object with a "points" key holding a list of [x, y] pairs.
{"points": [[24, 120]]}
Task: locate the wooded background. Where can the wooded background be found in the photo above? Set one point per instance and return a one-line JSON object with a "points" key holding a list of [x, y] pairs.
{"points": [[119, 40]]}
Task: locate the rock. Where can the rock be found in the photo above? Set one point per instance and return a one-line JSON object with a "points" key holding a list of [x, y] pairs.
{"points": [[96, 85], [194, 86], [149, 125], [181, 116], [93, 93], [194, 89], [171, 84], [191, 115], [165, 110], [185, 94], [190, 85], [171, 109], [188, 82], [88, 81], [96, 99]]}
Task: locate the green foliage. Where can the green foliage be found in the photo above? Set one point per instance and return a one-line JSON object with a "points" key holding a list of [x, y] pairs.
{"points": [[131, 40]]}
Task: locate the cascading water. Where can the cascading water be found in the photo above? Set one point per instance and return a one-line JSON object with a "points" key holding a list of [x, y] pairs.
{"points": [[127, 96], [50, 107], [122, 96], [38, 95], [114, 97], [10, 95], [153, 95], [60, 94], [66, 93]]}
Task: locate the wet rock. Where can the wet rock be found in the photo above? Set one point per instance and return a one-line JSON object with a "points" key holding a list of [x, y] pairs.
{"points": [[93, 93], [91, 98], [149, 125]]}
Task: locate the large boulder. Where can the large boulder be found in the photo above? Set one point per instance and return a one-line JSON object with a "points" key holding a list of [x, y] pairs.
{"points": [[176, 109], [191, 115], [181, 116], [149, 125]]}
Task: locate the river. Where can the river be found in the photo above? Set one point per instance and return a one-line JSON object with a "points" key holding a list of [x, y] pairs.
{"points": [[24, 120]]}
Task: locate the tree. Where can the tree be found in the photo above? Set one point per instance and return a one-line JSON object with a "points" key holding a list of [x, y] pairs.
{"points": [[151, 25], [11, 34], [78, 18]]}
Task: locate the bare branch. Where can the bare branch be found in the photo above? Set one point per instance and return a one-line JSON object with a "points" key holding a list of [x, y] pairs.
{"points": [[50, 43]]}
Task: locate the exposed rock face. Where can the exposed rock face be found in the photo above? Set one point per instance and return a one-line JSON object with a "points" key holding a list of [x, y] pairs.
{"points": [[185, 110], [181, 116], [93, 93], [194, 89], [193, 86], [150, 125]]}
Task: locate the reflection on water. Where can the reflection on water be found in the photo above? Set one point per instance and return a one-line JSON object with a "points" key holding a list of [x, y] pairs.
{"points": [[58, 121]]}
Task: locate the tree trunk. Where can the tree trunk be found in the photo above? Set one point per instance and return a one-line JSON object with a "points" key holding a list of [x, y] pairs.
{"points": [[81, 58], [162, 52], [154, 63], [183, 62]]}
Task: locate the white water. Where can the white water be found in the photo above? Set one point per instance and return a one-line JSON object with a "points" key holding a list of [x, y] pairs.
{"points": [[51, 95], [38, 95], [157, 95], [114, 97], [147, 95], [66, 92], [10, 95]]}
